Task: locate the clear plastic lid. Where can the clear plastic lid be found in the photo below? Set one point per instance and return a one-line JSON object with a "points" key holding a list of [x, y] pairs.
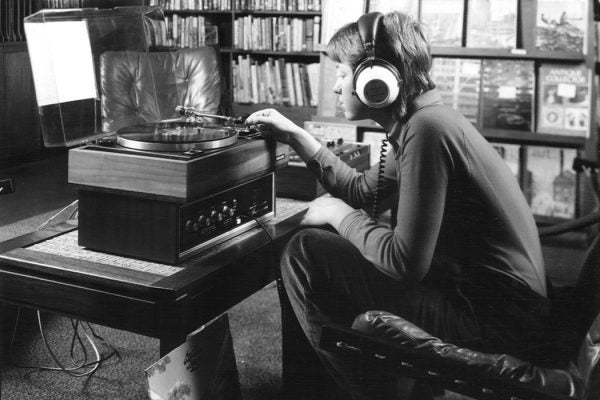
{"points": [[68, 50]]}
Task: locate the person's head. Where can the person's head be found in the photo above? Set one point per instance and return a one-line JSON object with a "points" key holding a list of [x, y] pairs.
{"points": [[400, 41]]}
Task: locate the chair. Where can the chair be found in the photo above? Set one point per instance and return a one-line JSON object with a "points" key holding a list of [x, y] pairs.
{"points": [[140, 87], [381, 341]]}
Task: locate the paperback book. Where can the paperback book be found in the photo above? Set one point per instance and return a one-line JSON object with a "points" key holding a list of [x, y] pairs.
{"points": [[561, 25], [443, 21], [564, 104], [458, 81], [492, 23], [508, 89], [551, 182]]}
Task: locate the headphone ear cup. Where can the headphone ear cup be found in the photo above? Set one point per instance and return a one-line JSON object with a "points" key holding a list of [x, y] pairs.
{"points": [[376, 83]]}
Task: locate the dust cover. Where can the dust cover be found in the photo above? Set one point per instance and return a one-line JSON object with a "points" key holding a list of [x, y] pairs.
{"points": [[202, 368]]}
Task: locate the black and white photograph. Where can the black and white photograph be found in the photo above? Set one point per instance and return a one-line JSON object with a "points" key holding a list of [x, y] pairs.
{"points": [[299, 200]]}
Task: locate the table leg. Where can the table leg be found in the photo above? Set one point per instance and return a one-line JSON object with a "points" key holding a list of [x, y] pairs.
{"points": [[303, 377]]}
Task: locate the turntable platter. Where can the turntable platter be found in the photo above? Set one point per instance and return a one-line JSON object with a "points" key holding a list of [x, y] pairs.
{"points": [[177, 136]]}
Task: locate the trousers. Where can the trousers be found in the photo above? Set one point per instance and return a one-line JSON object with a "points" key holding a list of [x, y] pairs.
{"points": [[327, 280]]}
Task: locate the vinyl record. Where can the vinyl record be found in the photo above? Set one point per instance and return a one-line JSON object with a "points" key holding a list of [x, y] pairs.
{"points": [[176, 136]]}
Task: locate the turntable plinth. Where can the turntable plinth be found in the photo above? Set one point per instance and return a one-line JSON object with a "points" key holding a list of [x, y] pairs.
{"points": [[176, 176]]}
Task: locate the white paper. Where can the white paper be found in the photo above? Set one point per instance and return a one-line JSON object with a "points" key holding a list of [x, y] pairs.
{"points": [[61, 61], [507, 92], [566, 90]]}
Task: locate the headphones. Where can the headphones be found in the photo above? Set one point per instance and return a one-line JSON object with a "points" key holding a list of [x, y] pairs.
{"points": [[376, 81]]}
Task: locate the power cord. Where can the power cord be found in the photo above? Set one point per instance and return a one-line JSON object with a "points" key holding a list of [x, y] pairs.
{"points": [[380, 170], [80, 366]]}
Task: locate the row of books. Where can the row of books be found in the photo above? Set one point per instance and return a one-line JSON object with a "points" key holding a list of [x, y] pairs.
{"points": [[276, 33], [275, 81], [546, 176], [223, 5], [63, 3], [184, 31], [278, 5], [505, 94], [243, 5], [12, 13], [560, 25]]}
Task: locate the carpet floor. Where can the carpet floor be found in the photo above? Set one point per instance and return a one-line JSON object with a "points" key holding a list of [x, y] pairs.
{"points": [[255, 326]]}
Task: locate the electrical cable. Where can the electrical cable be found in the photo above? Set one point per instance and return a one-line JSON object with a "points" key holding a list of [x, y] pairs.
{"points": [[380, 171], [79, 368]]}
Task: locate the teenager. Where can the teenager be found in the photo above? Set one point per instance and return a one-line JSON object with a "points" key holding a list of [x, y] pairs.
{"points": [[463, 260]]}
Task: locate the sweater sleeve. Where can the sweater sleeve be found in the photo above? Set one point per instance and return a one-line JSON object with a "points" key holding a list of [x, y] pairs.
{"points": [[423, 163], [342, 181]]}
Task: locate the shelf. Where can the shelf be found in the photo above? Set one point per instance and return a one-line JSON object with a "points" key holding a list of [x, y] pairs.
{"points": [[298, 14], [279, 13], [196, 12], [518, 54], [312, 54], [533, 138]]}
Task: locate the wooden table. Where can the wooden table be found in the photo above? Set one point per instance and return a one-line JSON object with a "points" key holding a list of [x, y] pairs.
{"points": [[167, 306]]}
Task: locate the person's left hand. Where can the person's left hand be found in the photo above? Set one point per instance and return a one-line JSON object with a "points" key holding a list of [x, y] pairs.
{"points": [[326, 210]]}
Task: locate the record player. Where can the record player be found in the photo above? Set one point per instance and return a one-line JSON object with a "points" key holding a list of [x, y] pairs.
{"points": [[165, 191], [155, 181]]}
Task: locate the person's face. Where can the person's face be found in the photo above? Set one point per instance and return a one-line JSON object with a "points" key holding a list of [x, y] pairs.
{"points": [[353, 108]]}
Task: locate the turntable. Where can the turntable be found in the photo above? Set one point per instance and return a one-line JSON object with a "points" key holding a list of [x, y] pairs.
{"points": [[164, 191], [155, 181]]}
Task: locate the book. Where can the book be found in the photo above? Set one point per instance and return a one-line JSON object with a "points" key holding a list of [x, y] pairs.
{"points": [[508, 87], [492, 23], [458, 81], [561, 25], [410, 7], [204, 367], [551, 182], [564, 104], [443, 21], [511, 154]]}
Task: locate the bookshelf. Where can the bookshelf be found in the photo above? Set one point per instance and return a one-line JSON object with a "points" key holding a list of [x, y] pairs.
{"points": [[528, 49], [269, 49]]}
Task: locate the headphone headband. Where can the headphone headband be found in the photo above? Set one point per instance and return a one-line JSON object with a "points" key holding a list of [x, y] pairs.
{"points": [[368, 25]]}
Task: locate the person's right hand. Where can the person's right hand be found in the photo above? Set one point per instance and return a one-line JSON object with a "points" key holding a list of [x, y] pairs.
{"points": [[272, 124]]}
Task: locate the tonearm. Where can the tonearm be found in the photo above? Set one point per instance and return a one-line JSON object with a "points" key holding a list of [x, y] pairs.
{"points": [[191, 112]]}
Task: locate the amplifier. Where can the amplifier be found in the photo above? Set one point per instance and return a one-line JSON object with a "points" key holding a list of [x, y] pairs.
{"points": [[163, 231], [298, 182]]}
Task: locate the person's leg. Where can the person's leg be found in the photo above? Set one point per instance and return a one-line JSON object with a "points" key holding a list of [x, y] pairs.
{"points": [[328, 280]]}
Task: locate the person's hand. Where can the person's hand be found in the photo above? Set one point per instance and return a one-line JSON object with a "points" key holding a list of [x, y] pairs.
{"points": [[326, 210], [273, 125]]}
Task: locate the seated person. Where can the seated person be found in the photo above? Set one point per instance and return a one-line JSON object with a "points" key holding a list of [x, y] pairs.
{"points": [[463, 261]]}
